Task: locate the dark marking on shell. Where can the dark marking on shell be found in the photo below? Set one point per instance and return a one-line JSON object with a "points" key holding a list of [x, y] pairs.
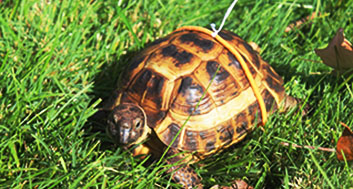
{"points": [[157, 84], [192, 92], [256, 61], [154, 118], [233, 61], [154, 90], [212, 67], [194, 110], [132, 65], [204, 135], [230, 130], [242, 128], [172, 131], [235, 93], [185, 83], [181, 57], [191, 145], [252, 70], [189, 133], [190, 142], [193, 97], [204, 44], [226, 134], [241, 122], [254, 108], [135, 63], [227, 35], [252, 54], [249, 48], [269, 101], [274, 84], [255, 113], [210, 145], [140, 85], [271, 72]]}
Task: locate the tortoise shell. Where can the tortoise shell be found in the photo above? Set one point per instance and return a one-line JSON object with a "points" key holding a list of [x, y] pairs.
{"points": [[193, 89]]}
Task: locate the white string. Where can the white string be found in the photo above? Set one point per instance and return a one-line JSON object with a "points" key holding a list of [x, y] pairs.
{"points": [[213, 25]]}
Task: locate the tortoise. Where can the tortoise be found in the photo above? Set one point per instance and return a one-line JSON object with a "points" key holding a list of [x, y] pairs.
{"points": [[187, 91]]}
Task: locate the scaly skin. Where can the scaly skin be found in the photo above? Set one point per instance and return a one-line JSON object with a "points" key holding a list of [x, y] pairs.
{"points": [[182, 173]]}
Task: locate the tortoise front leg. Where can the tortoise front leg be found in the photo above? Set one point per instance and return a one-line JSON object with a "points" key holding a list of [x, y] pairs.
{"points": [[182, 173], [186, 176]]}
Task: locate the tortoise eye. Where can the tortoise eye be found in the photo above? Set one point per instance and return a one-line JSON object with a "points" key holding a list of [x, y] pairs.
{"points": [[138, 123]]}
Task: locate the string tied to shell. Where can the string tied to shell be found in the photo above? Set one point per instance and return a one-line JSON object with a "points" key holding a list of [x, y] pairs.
{"points": [[237, 53]]}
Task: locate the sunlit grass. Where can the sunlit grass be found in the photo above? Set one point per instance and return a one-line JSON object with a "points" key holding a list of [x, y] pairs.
{"points": [[59, 59]]}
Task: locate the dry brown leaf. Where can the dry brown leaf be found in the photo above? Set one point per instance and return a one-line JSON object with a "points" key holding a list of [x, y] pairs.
{"points": [[345, 144], [238, 184], [338, 54]]}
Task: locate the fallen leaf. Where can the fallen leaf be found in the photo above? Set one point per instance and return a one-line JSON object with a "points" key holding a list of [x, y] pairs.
{"points": [[338, 54], [345, 144], [238, 184]]}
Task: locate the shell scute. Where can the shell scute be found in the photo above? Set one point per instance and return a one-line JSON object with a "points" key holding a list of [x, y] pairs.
{"points": [[139, 85], [214, 69], [254, 113], [242, 124], [199, 44], [154, 92], [191, 141], [270, 101], [210, 145], [226, 133], [274, 85], [229, 36], [208, 138], [247, 52], [188, 97], [269, 71], [154, 116], [171, 133], [234, 68], [194, 39], [172, 62], [222, 86], [133, 69], [180, 57]]}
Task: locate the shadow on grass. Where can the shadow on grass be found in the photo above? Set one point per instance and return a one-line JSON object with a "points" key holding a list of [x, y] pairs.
{"points": [[105, 85]]}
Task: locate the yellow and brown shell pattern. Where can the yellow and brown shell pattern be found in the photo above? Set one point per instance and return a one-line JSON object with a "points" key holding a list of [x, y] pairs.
{"points": [[169, 77]]}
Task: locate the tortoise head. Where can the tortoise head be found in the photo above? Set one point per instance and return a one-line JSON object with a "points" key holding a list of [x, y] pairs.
{"points": [[127, 124]]}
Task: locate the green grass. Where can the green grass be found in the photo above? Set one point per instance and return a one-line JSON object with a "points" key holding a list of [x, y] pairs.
{"points": [[59, 59]]}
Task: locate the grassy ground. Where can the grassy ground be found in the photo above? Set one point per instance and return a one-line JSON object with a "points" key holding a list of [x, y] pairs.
{"points": [[58, 59]]}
